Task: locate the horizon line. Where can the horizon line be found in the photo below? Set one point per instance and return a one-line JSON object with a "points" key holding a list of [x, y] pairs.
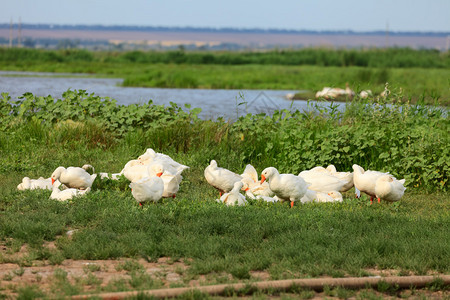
{"points": [[215, 29]]}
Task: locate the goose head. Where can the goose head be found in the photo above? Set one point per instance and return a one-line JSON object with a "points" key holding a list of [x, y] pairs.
{"points": [[156, 169], [267, 173], [57, 173]]}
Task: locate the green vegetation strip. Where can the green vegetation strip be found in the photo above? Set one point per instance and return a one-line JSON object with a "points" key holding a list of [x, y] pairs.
{"points": [[421, 74]]}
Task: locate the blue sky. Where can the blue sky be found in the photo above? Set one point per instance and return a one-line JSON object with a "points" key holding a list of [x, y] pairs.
{"points": [[356, 15]]}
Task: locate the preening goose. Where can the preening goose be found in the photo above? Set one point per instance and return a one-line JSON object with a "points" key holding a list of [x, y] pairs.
{"points": [[252, 186], [148, 189], [389, 188], [171, 182], [73, 177], [365, 180], [233, 197], [221, 178]]}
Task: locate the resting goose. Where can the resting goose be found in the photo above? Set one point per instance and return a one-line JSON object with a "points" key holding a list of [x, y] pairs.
{"points": [[32, 184], [285, 186], [221, 178], [313, 196], [73, 177], [66, 194]]}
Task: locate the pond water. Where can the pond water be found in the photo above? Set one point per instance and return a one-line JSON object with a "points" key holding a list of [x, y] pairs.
{"points": [[214, 103]]}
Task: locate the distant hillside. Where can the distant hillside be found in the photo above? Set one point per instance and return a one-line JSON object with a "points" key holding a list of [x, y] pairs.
{"points": [[222, 30], [100, 37]]}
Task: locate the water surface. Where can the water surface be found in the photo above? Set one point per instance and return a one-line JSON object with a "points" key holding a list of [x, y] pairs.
{"points": [[214, 103]]}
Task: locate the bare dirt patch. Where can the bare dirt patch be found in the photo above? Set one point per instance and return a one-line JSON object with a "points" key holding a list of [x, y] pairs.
{"points": [[71, 277]]}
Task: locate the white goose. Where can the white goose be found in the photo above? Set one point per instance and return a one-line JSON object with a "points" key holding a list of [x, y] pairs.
{"points": [[148, 189], [171, 182], [234, 197], [322, 181], [32, 184], [73, 177], [285, 186], [66, 194], [170, 165], [389, 188], [345, 176], [313, 196], [134, 170], [365, 180], [220, 178], [252, 186]]}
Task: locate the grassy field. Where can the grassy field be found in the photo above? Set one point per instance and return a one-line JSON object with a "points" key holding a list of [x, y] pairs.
{"points": [[421, 75], [192, 236]]}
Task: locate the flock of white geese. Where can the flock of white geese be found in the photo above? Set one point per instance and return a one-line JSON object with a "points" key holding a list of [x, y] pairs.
{"points": [[155, 175]]}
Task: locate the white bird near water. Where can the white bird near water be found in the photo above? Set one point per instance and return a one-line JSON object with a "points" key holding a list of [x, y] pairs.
{"points": [[285, 186], [220, 178], [233, 197], [73, 177]]}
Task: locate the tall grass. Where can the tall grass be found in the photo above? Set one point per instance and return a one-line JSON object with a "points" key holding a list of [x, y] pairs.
{"points": [[379, 58]]}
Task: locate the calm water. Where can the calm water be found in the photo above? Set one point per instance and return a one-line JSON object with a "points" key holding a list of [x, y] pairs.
{"points": [[214, 103]]}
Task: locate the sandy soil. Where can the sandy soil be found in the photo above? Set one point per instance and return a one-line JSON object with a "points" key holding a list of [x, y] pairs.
{"points": [[93, 276]]}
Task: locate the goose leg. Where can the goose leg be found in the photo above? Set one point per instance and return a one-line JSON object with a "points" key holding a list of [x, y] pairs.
{"points": [[371, 200], [379, 200], [292, 204]]}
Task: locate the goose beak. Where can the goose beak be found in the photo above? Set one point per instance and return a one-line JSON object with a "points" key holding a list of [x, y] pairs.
{"points": [[246, 189], [263, 178], [53, 181], [159, 174]]}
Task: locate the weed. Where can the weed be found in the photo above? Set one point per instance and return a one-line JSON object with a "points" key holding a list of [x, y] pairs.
{"points": [[29, 292], [437, 285], [129, 266], [19, 272], [8, 277], [91, 267]]}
